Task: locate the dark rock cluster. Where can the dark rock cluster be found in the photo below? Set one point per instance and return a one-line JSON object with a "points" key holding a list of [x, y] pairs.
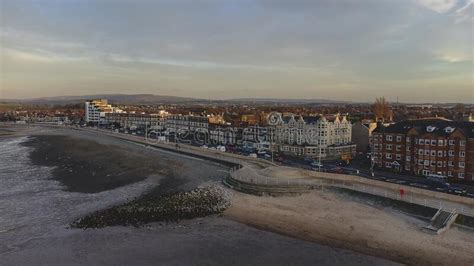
{"points": [[171, 207]]}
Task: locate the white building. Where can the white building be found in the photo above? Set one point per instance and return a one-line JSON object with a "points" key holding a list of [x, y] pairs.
{"points": [[141, 120], [313, 136], [187, 123], [95, 110]]}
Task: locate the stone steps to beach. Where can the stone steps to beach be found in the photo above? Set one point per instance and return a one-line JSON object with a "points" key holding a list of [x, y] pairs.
{"points": [[442, 220]]}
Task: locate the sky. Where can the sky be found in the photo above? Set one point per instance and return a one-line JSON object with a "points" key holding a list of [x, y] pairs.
{"points": [[413, 50]]}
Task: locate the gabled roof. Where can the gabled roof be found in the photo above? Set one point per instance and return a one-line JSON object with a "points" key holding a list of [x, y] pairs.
{"points": [[311, 119]]}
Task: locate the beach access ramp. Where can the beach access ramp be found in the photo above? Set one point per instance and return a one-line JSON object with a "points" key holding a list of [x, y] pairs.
{"points": [[442, 220]]}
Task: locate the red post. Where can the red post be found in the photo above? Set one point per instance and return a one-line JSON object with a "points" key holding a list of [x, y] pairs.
{"points": [[402, 192]]}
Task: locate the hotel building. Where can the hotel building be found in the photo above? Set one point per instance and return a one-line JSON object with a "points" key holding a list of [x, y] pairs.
{"points": [[328, 137], [95, 110]]}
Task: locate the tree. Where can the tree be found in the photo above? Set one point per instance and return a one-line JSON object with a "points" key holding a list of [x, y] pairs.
{"points": [[381, 109]]}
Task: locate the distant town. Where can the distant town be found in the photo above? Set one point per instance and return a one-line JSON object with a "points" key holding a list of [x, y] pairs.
{"points": [[425, 140]]}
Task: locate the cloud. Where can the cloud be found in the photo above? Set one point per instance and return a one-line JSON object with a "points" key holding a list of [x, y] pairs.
{"points": [[257, 45], [439, 6], [453, 58], [38, 56], [465, 12]]}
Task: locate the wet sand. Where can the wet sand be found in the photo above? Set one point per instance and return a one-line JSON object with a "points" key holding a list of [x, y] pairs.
{"points": [[207, 241], [90, 167]]}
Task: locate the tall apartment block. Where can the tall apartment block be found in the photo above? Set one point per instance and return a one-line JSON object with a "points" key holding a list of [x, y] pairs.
{"points": [[424, 147]]}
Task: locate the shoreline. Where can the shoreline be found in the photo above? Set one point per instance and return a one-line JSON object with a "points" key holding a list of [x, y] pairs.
{"points": [[191, 174], [85, 166]]}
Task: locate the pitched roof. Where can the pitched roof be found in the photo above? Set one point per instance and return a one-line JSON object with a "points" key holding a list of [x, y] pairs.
{"points": [[311, 119], [440, 127]]}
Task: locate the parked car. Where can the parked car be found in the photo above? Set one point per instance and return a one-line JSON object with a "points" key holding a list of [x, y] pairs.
{"points": [[457, 189], [317, 164], [336, 170], [381, 178], [442, 189], [420, 185], [470, 194]]}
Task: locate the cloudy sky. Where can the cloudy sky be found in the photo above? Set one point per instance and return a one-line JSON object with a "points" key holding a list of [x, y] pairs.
{"points": [[417, 50]]}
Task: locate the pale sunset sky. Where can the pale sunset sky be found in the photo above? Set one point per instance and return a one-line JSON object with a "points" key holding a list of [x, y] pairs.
{"points": [[417, 50]]}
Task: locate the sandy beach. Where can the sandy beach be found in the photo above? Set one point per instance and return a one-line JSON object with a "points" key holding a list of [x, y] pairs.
{"points": [[37, 229], [335, 220]]}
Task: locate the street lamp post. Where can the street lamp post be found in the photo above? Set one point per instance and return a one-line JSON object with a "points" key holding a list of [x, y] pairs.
{"points": [[319, 159], [372, 163]]}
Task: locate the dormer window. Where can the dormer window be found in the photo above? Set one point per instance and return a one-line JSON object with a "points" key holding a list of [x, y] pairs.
{"points": [[430, 128], [449, 129]]}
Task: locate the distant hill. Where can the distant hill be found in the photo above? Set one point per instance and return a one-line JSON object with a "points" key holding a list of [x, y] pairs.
{"points": [[113, 98], [156, 99], [274, 100]]}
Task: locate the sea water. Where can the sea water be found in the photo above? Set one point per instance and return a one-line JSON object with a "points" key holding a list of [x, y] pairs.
{"points": [[34, 206]]}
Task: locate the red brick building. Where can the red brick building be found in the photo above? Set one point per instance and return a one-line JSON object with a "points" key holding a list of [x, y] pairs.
{"points": [[423, 147]]}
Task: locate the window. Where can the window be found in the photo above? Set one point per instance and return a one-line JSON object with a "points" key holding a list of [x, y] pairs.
{"points": [[399, 156], [426, 162], [398, 147], [433, 153], [440, 142], [451, 142], [420, 152], [407, 148], [461, 175], [433, 142], [450, 173], [389, 138], [461, 164], [432, 163], [427, 142], [450, 163], [388, 147], [399, 138], [440, 153], [407, 167], [421, 142], [376, 146], [439, 164], [388, 165], [388, 156], [420, 162], [451, 153], [462, 143], [408, 139], [462, 154], [408, 158], [427, 152]]}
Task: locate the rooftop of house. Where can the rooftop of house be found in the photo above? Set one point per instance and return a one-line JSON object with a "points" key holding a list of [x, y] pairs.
{"points": [[437, 126]]}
